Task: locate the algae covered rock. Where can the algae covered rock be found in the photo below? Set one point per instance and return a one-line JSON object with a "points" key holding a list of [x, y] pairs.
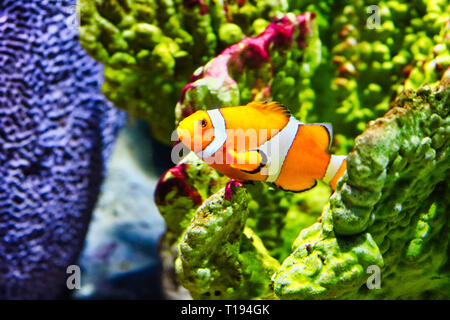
{"points": [[150, 48], [218, 257], [325, 266], [348, 77], [277, 216], [183, 188], [390, 210], [353, 61]]}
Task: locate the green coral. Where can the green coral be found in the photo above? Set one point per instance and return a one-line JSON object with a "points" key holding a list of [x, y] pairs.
{"points": [[284, 55], [348, 77], [436, 64], [391, 196], [151, 47], [277, 216], [325, 266], [388, 211], [367, 222], [182, 189], [217, 256], [391, 207], [364, 64]]}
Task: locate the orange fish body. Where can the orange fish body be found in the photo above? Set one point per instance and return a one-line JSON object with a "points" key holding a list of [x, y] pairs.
{"points": [[262, 141]]}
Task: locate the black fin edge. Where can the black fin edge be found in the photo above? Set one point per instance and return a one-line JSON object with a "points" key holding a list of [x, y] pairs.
{"points": [[297, 191], [286, 109], [261, 165]]}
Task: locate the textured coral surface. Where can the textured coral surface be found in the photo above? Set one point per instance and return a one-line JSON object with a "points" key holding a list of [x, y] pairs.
{"points": [[389, 211], [257, 68], [367, 52], [217, 255], [328, 61], [56, 131], [150, 48], [390, 208]]}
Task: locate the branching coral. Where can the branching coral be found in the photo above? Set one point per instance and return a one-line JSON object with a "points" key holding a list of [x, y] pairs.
{"points": [[252, 64], [56, 132], [179, 193]]}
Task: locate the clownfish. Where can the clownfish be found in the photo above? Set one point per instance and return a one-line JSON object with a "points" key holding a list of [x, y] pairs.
{"points": [[263, 141]]}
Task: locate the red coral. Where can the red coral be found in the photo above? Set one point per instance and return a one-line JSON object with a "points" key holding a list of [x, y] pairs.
{"points": [[176, 179], [253, 52], [230, 189]]}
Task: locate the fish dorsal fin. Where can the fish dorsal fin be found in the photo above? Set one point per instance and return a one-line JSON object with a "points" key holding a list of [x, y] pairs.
{"points": [[272, 106]]}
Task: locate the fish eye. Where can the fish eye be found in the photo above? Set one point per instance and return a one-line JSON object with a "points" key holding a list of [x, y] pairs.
{"points": [[204, 123]]}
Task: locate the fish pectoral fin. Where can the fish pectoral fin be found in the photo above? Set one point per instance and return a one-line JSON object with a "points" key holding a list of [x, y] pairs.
{"points": [[248, 161]]}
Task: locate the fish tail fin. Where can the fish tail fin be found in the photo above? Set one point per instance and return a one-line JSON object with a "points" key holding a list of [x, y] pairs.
{"points": [[335, 170]]}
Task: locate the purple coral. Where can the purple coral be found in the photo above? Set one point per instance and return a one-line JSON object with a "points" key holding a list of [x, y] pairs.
{"points": [[56, 131]]}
